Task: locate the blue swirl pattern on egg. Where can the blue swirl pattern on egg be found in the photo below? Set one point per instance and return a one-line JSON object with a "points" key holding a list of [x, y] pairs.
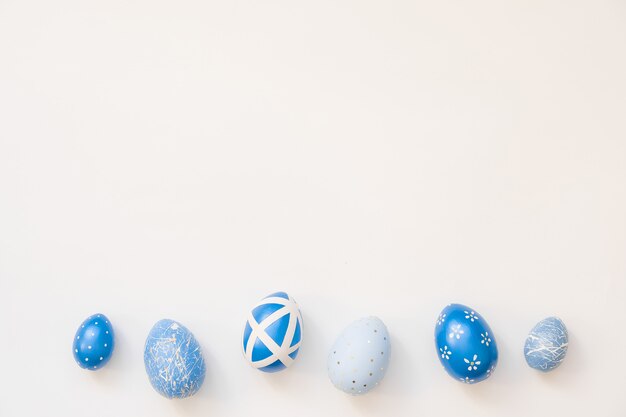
{"points": [[465, 344], [173, 360], [93, 342], [546, 344], [273, 333]]}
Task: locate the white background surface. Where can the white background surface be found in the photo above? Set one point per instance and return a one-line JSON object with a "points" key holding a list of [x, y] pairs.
{"points": [[183, 159]]}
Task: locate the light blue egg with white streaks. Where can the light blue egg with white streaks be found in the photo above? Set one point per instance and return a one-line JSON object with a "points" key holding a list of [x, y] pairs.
{"points": [[359, 358], [546, 344], [173, 360]]}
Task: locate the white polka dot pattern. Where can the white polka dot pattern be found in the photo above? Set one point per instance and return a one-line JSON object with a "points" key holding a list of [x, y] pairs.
{"points": [[93, 342]]}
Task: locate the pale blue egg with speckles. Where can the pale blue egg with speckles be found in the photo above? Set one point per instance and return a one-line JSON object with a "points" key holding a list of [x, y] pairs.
{"points": [[173, 360], [359, 358], [93, 342]]}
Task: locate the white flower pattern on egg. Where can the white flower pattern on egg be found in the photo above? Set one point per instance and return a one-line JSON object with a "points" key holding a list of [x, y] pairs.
{"points": [[471, 316], [473, 364], [445, 353], [456, 331]]}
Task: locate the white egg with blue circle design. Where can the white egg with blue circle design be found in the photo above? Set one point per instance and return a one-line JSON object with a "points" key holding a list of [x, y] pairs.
{"points": [[94, 342], [466, 346], [273, 333]]}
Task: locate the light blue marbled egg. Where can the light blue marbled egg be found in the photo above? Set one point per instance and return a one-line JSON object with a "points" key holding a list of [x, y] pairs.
{"points": [[466, 345], [94, 342], [358, 360], [273, 333], [546, 344], [173, 360]]}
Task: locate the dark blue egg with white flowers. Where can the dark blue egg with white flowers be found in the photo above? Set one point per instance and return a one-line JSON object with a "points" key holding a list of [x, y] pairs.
{"points": [[94, 342], [465, 344]]}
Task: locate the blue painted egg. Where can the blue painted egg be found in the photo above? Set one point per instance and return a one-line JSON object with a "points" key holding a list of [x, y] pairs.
{"points": [[359, 358], [465, 344], [94, 342], [546, 345], [173, 360], [273, 333]]}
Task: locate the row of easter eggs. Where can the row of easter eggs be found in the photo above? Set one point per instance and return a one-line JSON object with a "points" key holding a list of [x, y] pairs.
{"points": [[357, 362]]}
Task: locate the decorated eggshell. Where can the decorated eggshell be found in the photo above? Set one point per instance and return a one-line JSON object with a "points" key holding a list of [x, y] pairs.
{"points": [[93, 342], [546, 344], [173, 360], [358, 359], [273, 333], [465, 344]]}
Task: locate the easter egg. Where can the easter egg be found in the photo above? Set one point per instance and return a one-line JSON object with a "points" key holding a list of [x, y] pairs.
{"points": [[173, 360], [546, 344], [465, 344], [358, 359], [93, 342], [273, 333]]}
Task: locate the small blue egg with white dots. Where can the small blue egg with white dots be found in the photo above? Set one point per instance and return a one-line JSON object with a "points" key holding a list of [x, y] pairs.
{"points": [[94, 342]]}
